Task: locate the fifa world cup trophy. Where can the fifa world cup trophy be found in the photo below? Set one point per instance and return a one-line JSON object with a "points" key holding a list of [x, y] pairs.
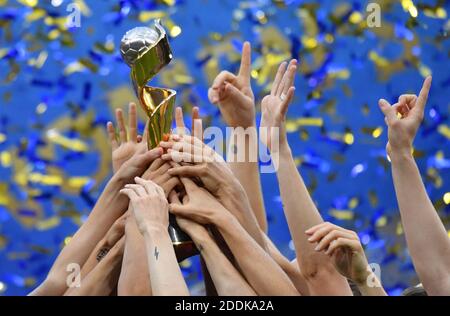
{"points": [[146, 50]]}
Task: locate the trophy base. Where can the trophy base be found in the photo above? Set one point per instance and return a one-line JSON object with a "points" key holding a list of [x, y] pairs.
{"points": [[183, 245]]}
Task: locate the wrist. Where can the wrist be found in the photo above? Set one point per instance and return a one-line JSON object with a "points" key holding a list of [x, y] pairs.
{"points": [[400, 155], [152, 230], [118, 179], [361, 280], [231, 190], [223, 220], [201, 238], [283, 148]]}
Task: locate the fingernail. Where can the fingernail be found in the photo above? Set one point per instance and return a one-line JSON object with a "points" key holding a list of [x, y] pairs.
{"points": [[310, 239], [317, 248]]}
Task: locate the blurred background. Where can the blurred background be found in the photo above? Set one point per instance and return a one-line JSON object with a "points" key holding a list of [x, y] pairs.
{"points": [[59, 86]]}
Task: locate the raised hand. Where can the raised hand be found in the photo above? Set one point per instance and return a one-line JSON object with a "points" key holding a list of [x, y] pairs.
{"points": [[129, 142], [137, 165], [149, 204], [344, 247], [189, 226], [233, 94], [157, 172], [275, 105], [201, 162], [197, 128], [404, 118], [201, 206]]}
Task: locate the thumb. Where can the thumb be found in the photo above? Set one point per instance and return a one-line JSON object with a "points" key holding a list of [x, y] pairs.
{"points": [[185, 171], [178, 209], [423, 95], [388, 110], [287, 101]]}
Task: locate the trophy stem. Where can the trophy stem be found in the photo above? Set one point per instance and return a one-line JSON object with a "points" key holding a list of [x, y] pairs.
{"points": [[158, 104]]}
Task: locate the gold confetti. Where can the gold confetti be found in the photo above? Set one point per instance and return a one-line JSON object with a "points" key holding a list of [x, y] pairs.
{"points": [[381, 222], [446, 198], [29, 3], [349, 139], [342, 214], [48, 223], [444, 130], [69, 143], [67, 240]]}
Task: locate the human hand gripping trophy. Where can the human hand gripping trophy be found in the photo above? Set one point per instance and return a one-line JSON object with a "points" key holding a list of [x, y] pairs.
{"points": [[146, 50]]}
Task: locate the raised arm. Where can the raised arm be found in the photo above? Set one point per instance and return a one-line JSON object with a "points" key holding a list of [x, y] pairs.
{"points": [[290, 268], [217, 177], [109, 207], [301, 213], [150, 209], [102, 279], [234, 96], [347, 254], [104, 246], [425, 234], [259, 269], [226, 278]]}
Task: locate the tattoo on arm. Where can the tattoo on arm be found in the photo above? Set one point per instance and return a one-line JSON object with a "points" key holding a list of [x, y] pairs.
{"points": [[156, 253], [102, 253]]}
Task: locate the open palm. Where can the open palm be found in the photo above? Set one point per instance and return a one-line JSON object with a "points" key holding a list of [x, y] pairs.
{"points": [[274, 106], [129, 143]]}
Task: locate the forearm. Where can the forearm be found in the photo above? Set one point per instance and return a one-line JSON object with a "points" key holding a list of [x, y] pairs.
{"points": [[427, 239], [102, 280], [371, 286], [108, 208], [372, 291], [290, 268], [237, 202], [300, 211], [134, 278], [261, 271], [301, 214], [227, 280], [96, 255], [247, 172], [165, 274]]}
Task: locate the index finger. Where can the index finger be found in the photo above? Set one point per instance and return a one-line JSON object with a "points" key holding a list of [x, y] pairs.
{"points": [[132, 122], [244, 70], [189, 185], [423, 95], [173, 198], [179, 119]]}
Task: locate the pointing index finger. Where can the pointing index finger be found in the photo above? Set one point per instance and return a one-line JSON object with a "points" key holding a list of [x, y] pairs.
{"points": [[244, 70], [423, 95]]}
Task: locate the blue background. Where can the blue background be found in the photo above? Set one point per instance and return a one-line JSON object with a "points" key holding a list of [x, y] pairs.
{"points": [[36, 216]]}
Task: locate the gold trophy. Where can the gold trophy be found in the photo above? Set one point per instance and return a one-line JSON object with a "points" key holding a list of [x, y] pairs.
{"points": [[146, 50]]}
